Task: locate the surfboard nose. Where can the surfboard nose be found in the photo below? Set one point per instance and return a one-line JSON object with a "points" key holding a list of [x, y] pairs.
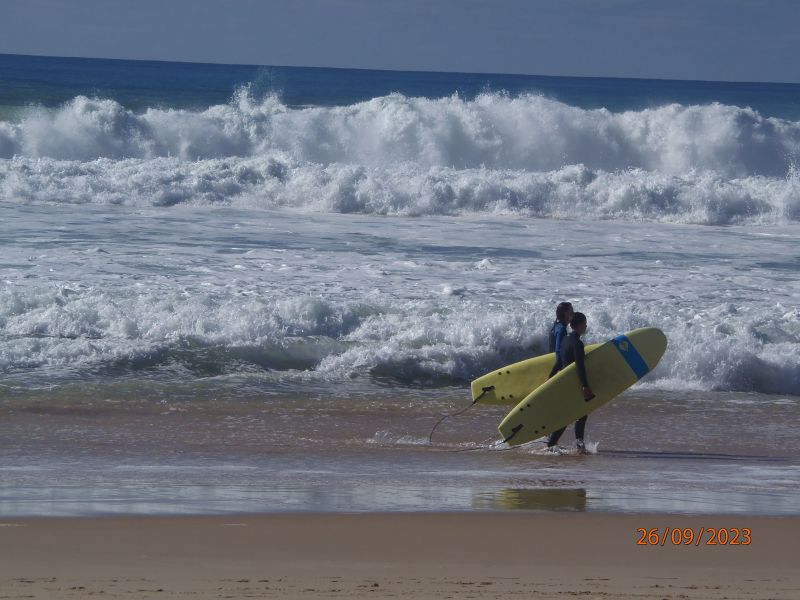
{"points": [[651, 344]]}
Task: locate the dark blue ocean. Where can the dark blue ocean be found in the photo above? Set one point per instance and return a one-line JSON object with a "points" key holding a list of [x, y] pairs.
{"points": [[138, 85]]}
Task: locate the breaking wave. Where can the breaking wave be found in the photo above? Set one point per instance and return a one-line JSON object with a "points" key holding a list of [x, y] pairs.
{"points": [[529, 155], [411, 342]]}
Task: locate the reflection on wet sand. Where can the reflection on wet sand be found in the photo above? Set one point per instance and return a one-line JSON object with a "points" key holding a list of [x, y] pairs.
{"points": [[573, 499]]}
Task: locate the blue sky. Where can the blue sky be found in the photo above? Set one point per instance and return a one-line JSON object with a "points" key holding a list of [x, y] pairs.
{"points": [[730, 40]]}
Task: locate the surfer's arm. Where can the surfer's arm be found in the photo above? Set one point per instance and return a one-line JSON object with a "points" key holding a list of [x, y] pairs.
{"points": [[580, 365], [559, 336]]}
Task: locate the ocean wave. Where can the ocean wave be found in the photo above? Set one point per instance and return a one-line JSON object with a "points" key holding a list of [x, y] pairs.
{"points": [[492, 131], [277, 182], [412, 342], [396, 155]]}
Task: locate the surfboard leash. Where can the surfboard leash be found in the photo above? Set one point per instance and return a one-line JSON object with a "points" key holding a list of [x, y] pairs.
{"points": [[484, 391], [482, 445]]}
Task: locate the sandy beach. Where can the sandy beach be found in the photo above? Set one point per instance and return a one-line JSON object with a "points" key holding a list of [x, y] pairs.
{"points": [[419, 555]]}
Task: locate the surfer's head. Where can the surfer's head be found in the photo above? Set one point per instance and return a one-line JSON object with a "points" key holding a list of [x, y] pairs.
{"points": [[564, 312], [578, 323]]}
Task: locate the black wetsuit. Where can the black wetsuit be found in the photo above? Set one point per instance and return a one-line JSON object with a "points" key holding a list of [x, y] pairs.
{"points": [[571, 352]]}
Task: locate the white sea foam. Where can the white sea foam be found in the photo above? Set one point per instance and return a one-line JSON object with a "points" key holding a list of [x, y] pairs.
{"points": [[365, 299], [711, 164], [695, 197], [493, 131], [401, 342]]}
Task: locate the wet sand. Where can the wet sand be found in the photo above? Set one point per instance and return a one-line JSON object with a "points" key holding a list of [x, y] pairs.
{"points": [[102, 449], [414, 555]]}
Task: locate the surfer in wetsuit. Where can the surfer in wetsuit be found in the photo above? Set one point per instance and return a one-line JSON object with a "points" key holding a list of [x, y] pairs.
{"points": [[571, 351]]}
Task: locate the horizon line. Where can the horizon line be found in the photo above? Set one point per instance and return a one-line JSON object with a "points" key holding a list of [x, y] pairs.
{"points": [[434, 72]]}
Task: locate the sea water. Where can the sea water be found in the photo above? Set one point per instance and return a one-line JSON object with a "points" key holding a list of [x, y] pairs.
{"points": [[229, 288]]}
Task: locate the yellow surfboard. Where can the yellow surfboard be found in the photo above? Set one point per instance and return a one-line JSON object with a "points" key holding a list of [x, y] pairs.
{"points": [[611, 369], [512, 383]]}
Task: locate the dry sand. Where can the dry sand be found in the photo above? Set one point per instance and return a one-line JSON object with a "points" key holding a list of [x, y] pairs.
{"points": [[478, 555]]}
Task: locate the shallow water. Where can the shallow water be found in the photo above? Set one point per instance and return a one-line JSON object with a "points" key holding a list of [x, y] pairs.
{"points": [[205, 453]]}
